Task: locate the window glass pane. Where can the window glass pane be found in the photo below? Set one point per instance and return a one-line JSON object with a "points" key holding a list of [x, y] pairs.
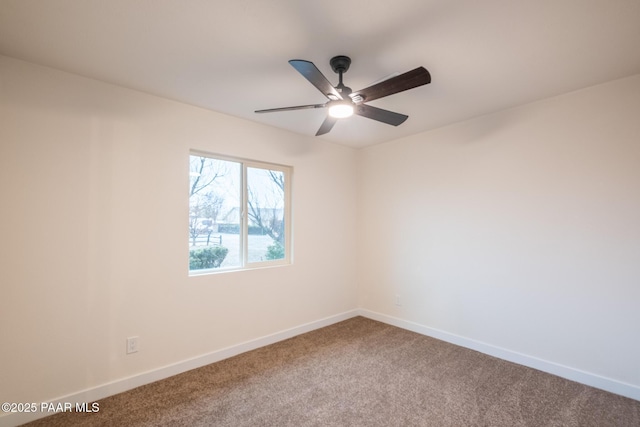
{"points": [[214, 213], [265, 214]]}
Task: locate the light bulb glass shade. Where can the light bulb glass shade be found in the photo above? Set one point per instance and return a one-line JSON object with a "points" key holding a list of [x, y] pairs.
{"points": [[341, 110]]}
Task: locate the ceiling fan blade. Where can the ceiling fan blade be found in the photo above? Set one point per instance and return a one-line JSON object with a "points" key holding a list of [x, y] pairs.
{"points": [[298, 107], [310, 72], [414, 78], [327, 125], [384, 116]]}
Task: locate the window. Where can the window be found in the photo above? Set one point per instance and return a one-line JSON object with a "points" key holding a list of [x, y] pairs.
{"points": [[239, 214]]}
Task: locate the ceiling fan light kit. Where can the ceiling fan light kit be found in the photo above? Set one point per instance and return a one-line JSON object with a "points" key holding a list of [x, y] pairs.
{"points": [[341, 109], [342, 102]]}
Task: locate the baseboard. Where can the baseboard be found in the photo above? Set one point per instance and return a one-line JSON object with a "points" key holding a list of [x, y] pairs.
{"points": [[124, 384], [614, 386]]}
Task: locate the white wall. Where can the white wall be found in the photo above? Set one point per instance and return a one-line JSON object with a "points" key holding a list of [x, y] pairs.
{"points": [[518, 230], [94, 193]]}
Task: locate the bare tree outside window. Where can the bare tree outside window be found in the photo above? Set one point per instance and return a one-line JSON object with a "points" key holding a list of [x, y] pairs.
{"points": [[265, 200]]}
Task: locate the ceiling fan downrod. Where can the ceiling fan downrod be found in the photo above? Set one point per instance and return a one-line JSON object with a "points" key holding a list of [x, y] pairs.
{"points": [[340, 64]]}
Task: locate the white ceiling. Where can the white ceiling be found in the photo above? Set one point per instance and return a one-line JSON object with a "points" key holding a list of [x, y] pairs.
{"points": [[231, 55]]}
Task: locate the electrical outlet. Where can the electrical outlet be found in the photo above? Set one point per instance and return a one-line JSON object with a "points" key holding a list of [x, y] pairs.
{"points": [[398, 302], [132, 345]]}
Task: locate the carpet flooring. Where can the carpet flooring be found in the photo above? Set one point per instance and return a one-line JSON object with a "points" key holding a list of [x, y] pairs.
{"points": [[360, 373]]}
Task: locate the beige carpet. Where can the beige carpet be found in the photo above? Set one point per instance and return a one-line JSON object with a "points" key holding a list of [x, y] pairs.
{"points": [[360, 373]]}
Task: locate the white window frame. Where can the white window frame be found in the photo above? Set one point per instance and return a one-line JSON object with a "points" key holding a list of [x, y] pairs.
{"points": [[245, 264]]}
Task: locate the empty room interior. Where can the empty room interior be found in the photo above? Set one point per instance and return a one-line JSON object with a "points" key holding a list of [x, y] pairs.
{"points": [[488, 197]]}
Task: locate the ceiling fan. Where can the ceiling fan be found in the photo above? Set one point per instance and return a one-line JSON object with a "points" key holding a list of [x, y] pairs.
{"points": [[344, 103]]}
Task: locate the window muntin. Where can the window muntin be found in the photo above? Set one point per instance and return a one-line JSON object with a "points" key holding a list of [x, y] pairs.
{"points": [[239, 214]]}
